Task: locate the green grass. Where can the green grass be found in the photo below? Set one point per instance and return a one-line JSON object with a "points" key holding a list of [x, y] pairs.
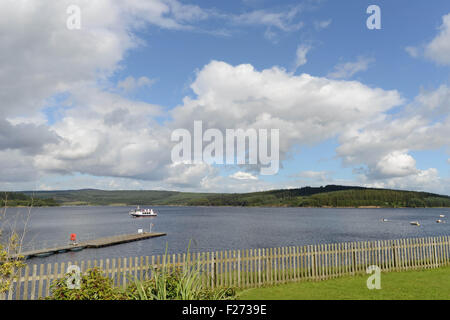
{"points": [[422, 285]]}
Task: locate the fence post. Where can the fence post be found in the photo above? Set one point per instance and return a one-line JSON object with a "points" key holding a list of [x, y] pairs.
{"points": [[239, 268], [33, 282], [436, 263]]}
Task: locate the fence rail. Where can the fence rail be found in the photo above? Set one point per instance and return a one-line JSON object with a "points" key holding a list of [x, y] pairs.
{"points": [[254, 267]]}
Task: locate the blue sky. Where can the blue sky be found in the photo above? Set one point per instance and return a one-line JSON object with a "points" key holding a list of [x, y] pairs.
{"points": [[400, 73], [172, 56]]}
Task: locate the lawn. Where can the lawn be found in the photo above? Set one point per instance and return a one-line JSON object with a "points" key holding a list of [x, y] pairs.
{"points": [[431, 284]]}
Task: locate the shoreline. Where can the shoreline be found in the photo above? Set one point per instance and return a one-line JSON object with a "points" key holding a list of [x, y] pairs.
{"points": [[204, 206]]}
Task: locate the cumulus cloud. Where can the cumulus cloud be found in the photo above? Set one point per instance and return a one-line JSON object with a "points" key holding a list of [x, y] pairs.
{"points": [[382, 146], [396, 164], [349, 69], [243, 176], [99, 133], [422, 180], [438, 49], [102, 133], [27, 137], [306, 109]]}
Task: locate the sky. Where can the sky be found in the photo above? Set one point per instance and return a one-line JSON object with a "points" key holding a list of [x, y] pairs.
{"points": [[95, 105]]}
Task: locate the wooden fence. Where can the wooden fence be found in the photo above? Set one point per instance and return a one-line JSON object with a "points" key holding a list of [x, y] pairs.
{"points": [[254, 267]]}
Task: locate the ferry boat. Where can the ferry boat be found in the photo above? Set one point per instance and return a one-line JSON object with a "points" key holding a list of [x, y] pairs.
{"points": [[138, 212]]}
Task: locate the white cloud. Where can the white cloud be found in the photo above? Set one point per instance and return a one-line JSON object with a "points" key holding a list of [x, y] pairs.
{"points": [[101, 133], [317, 176], [130, 84], [438, 49], [302, 51], [243, 176], [423, 180], [382, 146], [282, 20], [348, 69], [396, 164], [304, 108], [413, 51], [320, 25]]}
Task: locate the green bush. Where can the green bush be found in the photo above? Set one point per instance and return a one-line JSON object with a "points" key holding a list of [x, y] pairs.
{"points": [[181, 284], [163, 285], [93, 286]]}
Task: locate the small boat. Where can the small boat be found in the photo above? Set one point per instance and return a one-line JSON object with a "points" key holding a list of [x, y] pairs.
{"points": [[439, 221], [415, 223], [384, 220], [138, 212], [441, 216], [62, 251]]}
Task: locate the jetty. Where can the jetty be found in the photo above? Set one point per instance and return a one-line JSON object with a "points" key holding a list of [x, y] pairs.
{"points": [[95, 243]]}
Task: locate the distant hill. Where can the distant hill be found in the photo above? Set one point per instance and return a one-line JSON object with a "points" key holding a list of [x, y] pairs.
{"points": [[16, 199], [328, 196]]}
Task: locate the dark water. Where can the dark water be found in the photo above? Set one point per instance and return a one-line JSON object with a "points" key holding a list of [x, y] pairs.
{"points": [[220, 228]]}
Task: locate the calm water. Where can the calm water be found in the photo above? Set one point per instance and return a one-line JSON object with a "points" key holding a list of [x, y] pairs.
{"points": [[218, 228]]}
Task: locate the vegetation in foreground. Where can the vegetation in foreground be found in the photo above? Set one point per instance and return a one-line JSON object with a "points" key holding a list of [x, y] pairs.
{"points": [[430, 284], [164, 284], [10, 244], [170, 286], [329, 196]]}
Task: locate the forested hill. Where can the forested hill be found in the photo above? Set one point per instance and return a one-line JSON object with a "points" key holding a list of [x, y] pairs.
{"points": [[329, 196], [16, 199]]}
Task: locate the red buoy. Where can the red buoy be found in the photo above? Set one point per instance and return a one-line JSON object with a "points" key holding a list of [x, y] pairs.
{"points": [[73, 237]]}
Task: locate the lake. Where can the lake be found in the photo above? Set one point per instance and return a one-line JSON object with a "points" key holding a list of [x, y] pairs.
{"points": [[219, 228]]}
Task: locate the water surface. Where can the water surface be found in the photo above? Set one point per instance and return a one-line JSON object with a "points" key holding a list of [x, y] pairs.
{"points": [[220, 228]]}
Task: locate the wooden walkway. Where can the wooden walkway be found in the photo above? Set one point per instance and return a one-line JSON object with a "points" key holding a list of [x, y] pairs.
{"points": [[95, 243]]}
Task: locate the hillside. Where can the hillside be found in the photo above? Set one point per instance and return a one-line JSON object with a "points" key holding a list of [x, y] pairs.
{"points": [[329, 196], [17, 199]]}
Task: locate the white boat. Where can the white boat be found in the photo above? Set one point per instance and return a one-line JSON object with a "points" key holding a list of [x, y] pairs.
{"points": [[385, 220], [439, 221], [441, 216], [415, 223], [138, 212]]}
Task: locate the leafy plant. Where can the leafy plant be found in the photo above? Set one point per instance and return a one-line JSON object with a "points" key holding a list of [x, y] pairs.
{"points": [[93, 286], [180, 284]]}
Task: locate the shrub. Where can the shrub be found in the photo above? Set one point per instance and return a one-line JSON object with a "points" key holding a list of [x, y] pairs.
{"points": [[93, 286]]}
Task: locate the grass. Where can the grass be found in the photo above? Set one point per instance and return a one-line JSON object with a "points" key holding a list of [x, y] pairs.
{"points": [[431, 284]]}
